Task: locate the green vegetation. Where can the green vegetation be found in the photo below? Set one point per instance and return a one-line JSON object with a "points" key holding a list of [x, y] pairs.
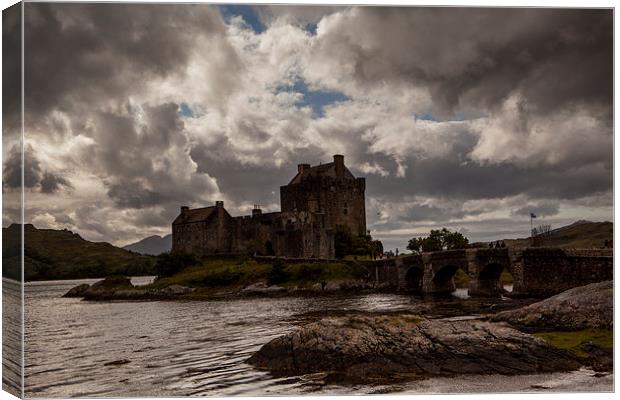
{"points": [[62, 254], [348, 245], [461, 279], [506, 278], [235, 273], [573, 340], [438, 240]]}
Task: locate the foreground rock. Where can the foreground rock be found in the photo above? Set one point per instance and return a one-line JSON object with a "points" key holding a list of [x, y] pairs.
{"points": [[364, 347], [584, 307]]}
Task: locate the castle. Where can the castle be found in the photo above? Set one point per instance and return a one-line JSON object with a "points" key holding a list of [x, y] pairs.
{"points": [[316, 201]]}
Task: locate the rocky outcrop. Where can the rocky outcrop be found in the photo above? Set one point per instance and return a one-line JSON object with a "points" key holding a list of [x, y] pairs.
{"points": [[77, 291], [120, 288], [584, 307], [363, 347]]}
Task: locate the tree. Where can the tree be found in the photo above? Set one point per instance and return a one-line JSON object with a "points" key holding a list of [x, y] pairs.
{"points": [[438, 240], [345, 243]]}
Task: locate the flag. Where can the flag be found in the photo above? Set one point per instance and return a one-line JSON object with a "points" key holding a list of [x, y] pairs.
{"points": [[532, 215]]}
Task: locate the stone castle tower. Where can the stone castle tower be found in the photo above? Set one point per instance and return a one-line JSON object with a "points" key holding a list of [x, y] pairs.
{"points": [[330, 189]]}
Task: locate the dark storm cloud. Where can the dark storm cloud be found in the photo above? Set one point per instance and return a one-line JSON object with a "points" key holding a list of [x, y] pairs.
{"points": [[51, 183], [133, 194], [424, 212], [11, 68], [34, 175], [12, 176], [86, 52], [476, 57], [547, 209], [447, 177]]}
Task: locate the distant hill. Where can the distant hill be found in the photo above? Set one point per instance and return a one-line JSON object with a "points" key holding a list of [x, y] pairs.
{"points": [[62, 254], [152, 245], [580, 234]]}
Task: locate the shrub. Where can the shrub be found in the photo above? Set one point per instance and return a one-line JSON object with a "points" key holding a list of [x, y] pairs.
{"points": [[278, 274]]}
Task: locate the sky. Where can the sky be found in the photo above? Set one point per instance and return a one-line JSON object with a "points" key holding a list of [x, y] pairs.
{"points": [[469, 118]]}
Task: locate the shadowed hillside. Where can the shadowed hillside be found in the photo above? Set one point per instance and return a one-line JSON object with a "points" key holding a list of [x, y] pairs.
{"points": [[62, 254], [581, 234]]}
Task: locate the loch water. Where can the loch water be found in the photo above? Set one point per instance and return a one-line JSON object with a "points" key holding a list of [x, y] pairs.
{"points": [[76, 348]]}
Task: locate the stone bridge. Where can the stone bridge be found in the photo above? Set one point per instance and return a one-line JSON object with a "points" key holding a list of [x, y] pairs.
{"points": [[536, 271]]}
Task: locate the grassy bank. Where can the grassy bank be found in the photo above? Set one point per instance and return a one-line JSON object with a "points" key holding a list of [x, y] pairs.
{"points": [[573, 341], [237, 273]]}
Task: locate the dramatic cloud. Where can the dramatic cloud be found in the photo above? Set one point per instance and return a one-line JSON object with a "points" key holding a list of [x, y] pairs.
{"points": [[33, 175], [464, 118]]}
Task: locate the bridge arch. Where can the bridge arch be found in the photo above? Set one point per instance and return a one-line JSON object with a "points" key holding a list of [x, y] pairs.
{"points": [[414, 279], [442, 281], [491, 271], [487, 282]]}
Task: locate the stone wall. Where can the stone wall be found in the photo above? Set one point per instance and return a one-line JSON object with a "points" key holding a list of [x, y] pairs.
{"points": [[548, 271]]}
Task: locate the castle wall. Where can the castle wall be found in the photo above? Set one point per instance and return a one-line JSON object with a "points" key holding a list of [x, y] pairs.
{"points": [[290, 234]]}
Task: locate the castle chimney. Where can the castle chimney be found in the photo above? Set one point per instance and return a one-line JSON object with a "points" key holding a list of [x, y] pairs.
{"points": [[184, 209], [339, 164], [219, 204], [302, 167], [256, 210]]}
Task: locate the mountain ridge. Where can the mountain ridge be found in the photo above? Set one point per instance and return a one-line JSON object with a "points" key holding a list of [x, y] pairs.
{"points": [[153, 245]]}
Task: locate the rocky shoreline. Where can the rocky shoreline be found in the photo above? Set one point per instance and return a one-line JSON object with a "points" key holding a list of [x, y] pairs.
{"points": [[120, 288]]}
